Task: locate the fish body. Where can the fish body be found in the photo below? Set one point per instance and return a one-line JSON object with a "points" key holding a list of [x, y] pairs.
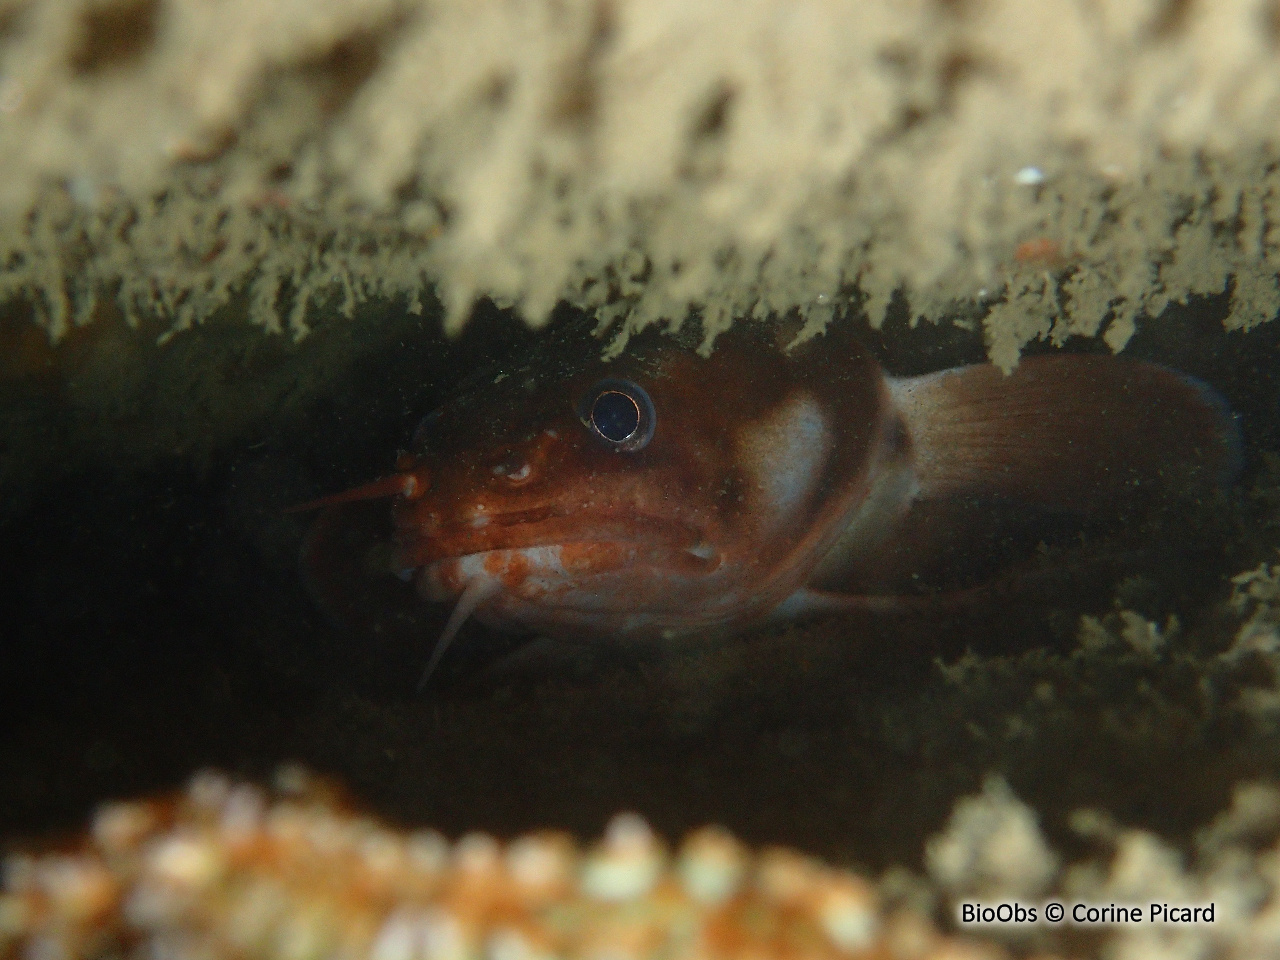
{"points": [[664, 493]]}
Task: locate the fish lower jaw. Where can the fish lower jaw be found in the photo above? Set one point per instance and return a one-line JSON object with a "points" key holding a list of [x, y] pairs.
{"points": [[592, 585], [518, 595], [523, 573]]}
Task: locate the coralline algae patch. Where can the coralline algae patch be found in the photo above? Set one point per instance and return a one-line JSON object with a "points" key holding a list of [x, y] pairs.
{"points": [[226, 870]]}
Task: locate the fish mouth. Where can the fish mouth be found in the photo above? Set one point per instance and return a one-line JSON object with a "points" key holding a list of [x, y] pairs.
{"points": [[542, 572], [543, 528], [534, 571]]}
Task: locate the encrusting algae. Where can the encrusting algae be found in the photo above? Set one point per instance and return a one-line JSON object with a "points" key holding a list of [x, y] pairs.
{"points": [[1058, 170], [225, 870]]}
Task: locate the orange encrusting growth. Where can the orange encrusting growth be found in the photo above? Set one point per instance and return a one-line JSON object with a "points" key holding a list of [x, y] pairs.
{"points": [[226, 870]]}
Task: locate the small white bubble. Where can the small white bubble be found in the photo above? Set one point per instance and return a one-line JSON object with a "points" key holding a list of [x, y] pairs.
{"points": [[397, 940], [428, 851], [627, 863]]}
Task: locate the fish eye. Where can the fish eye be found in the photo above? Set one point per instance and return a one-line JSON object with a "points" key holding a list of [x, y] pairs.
{"points": [[620, 413]]}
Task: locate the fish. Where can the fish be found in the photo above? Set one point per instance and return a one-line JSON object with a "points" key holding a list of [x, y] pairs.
{"points": [[664, 493]]}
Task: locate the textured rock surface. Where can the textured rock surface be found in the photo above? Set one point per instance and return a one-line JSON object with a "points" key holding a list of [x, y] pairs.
{"points": [[1058, 169], [226, 869]]}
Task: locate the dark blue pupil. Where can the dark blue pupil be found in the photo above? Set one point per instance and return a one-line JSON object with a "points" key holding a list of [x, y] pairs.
{"points": [[615, 415]]}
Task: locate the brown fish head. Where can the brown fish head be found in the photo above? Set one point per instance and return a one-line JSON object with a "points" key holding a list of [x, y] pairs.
{"points": [[660, 492]]}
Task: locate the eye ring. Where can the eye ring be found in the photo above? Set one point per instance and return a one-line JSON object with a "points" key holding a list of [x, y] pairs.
{"points": [[620, 414]]}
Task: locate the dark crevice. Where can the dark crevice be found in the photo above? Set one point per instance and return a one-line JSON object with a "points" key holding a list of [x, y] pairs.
{"points": [[114, 35], [346, 66], [1171, 19], [713, 119]]}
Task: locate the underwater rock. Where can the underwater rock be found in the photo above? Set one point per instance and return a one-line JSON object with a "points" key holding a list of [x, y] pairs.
{"points": [[647, 162], [225, 869]]}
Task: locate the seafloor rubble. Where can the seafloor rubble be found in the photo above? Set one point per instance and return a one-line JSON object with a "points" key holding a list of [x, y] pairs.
{"points": [[225, 870]]}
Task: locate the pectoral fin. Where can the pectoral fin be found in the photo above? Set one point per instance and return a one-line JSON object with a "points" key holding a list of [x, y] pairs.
{"points": [[808, 602]]}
